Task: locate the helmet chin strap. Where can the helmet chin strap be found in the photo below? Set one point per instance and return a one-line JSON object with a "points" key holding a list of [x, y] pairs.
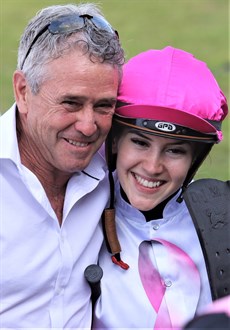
{"points": [[110, 232], [108, 217], [194, 168]]}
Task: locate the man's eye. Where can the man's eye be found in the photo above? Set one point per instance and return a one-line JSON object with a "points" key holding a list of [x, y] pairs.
{"points": [[71, 105], [69, 102], [104, 107]]}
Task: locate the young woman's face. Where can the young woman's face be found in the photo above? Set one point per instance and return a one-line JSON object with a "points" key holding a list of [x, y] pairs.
{"points": [[151, 168]]}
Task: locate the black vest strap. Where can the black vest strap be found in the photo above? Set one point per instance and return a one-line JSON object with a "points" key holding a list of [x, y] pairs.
{"points": [[208, 201]]}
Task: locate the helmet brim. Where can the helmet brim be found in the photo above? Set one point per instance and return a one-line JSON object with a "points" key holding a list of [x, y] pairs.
{"points": [[167, 122]]}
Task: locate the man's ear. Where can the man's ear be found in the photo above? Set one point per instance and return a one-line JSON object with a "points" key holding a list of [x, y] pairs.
{"points": [[20, 90]]}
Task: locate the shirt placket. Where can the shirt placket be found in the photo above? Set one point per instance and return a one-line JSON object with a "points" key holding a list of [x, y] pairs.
{"points": [[66, 265]]}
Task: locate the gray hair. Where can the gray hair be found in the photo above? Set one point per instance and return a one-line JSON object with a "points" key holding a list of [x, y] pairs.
{"points": [[99, 45]]}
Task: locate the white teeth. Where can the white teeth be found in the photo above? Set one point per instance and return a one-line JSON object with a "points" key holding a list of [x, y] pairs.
{"points": [[78, 144], [146, 183]]}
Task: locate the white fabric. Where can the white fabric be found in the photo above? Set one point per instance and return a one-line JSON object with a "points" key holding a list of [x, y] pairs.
{"points": [[124, 303], [42, 265]]}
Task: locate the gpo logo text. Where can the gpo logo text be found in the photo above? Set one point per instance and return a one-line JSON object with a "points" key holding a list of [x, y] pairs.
{"points": [[164, 126]]}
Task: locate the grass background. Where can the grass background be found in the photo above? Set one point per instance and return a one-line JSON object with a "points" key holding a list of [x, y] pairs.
{"points": [[197, 26]]}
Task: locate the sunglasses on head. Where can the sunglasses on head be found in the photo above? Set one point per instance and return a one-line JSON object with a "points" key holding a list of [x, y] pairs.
{"points": [[71, 23]]}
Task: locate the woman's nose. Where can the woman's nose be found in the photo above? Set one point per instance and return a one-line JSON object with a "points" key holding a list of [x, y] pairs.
{"points": [[153, 164]]}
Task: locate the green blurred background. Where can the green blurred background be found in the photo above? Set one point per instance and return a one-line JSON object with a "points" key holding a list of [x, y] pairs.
{"points": [[197, 26]]}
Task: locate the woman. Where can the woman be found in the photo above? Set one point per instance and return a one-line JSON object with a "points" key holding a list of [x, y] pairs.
{"points": [[168, 117]]}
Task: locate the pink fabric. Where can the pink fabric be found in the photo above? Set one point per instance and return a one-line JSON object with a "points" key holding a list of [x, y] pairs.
{"points": [[221, 305], [150, 277], [154, 285], [166, 114], [174, 79]]}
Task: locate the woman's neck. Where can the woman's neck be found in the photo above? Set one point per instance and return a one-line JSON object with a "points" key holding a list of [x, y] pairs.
{"points": [[156, 212]]}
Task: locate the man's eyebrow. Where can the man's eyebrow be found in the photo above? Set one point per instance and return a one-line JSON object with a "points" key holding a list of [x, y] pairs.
{"points": [[70, 97], [83, 98], [107, 99]]}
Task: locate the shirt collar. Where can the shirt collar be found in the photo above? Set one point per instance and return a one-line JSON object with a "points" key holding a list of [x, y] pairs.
{"points": [[170, 209], [8, 136]]}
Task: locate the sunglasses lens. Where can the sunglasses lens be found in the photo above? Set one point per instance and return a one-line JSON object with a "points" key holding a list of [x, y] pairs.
{"points": [[72, 23], [101, 24], [66, 24]]}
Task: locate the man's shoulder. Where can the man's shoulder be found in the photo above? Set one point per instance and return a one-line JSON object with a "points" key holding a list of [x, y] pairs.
{"points": [[8, 137], [9, 115]]}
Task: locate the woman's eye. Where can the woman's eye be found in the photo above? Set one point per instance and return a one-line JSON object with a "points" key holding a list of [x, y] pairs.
{"points": [[177, 151], [139, 142]]}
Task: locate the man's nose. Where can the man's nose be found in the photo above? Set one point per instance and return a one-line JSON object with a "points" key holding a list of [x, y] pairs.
{"points": [[86, 121]]}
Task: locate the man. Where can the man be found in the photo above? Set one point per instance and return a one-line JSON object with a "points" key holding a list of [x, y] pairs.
{"points": [[53, 181]]}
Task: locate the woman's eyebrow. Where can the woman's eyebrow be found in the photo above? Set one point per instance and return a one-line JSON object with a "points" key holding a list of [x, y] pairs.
{"points": [[180, 142], [170, 141], [144, 136]]}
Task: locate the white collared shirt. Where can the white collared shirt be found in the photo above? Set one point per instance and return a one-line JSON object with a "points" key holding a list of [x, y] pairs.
{"points": [[42, 265]]}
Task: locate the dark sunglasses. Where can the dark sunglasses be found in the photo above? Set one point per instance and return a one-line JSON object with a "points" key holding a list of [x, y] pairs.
{"points": [[71, 23]]}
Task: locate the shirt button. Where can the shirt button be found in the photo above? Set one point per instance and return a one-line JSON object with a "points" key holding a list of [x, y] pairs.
{"points": [[156, 227], [59, 291], [168, 283]]}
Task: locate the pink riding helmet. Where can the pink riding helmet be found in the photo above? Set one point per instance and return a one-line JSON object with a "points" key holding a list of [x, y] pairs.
{"points": [[171, 93]]}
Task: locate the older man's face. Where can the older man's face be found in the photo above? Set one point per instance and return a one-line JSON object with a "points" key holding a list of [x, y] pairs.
{"points": [[68, 120]]}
